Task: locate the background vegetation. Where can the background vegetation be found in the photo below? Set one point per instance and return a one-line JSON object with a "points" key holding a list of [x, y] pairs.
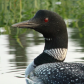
{"points": [[12, 11]]}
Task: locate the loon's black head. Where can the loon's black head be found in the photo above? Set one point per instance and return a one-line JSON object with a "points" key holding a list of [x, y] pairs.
{"points": [[53, 28], [50, 24]]}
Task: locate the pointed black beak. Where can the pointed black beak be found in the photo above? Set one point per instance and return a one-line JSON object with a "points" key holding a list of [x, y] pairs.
{"points": [[26, 24]]}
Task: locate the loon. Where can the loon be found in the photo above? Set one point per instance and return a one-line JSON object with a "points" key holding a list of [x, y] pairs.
{"points": [[48, 67]]}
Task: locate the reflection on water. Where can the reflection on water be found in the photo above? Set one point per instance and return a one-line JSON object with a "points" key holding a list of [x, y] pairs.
{"points": [[74, 53], [14, 58]]}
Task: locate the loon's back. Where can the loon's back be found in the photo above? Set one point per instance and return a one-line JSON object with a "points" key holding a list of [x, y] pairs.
{"points": [[58, 73]]}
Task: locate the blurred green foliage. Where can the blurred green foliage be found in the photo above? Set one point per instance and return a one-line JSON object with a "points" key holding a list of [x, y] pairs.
{"points": [[13, 11]]}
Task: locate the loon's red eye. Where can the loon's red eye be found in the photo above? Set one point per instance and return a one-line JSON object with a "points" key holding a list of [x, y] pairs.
{"points": [[46, 19]]}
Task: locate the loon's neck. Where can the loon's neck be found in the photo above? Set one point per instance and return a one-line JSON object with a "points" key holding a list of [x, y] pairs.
{"points": [[54, 51], [54, 43], [56, 48]]}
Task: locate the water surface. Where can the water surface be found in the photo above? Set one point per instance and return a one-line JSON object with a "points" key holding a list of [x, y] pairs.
{"points": [[14, 59]]}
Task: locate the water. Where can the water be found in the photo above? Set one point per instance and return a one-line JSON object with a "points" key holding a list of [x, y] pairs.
{"points": [[14, 59]]}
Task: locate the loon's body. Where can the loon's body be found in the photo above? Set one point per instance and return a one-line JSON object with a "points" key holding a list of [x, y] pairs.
{"points": [[48, 67], [58, 73]]}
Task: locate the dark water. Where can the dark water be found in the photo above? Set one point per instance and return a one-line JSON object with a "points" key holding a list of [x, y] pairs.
{"points": [[14, 59]]}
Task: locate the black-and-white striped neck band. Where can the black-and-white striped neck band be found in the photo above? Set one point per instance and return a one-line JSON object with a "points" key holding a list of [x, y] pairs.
{"points": [[58, 53]]}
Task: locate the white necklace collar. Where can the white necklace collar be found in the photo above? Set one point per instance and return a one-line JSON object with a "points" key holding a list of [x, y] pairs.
{"points": [[48, 39]]}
